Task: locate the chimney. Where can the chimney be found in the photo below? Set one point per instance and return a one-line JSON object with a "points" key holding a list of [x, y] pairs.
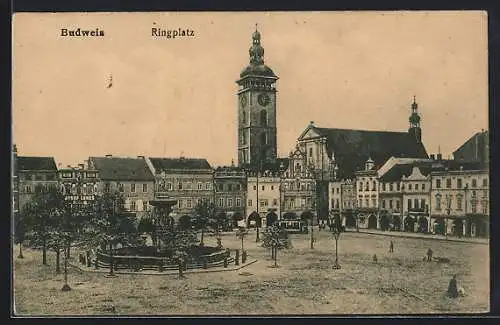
{"points": [[433, 157], [109, 156], [439, 156], [81, 166]]}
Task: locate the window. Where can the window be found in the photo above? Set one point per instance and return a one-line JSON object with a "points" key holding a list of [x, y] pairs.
{"points": [[367, 186], [391, 187], [169, 186], [474, 182], [238, 202], [438, 203], [229, 187], [367, 202], [188, 185], [409, 204], [188, 203], [398, 187], [397, 205], [422, 204], [200, 186], [132, 188], [337, 203], [309, 202], [229, 202], [383, 204], [221, 202], [263, 138], [438, 183], [263, 187], [360, 187], [263, 117], [179, 204], [132, 206], [374, 186], [473, 204], [144, 187], [275, 202], [243, 117], [106, 188], [28, 188], [415, 203], [179, 186], [208, 186], [337, 189], [145, 206], [409, 187], [459, 203], [249, 203], [459, 183], [272, 187], [38, 177], [220, 187], [485, 207], [374, 203], [416, 187], [485, 182], [390, 204], [423, 187], [292, 203], [120, 187], [448, 183]]}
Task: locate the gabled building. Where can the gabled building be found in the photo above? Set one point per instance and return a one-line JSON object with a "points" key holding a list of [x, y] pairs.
{"points": [[31, 172], [367, 196], [347, 150], [187, 180], [130, 176], [298, 187]]}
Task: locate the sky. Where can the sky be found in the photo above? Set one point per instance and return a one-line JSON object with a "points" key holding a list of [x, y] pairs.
{"points": [[177, 97]]}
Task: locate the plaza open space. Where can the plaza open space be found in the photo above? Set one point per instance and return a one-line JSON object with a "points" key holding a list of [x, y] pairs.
{"points": [[304, 283]]}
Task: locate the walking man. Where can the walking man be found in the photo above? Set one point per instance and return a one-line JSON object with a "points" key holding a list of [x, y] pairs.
{"points": [[453, 287], [429, 254], [391, 247]]}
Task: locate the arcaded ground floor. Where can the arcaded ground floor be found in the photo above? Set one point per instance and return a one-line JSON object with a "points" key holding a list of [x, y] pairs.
{"points": [[304, 283]]}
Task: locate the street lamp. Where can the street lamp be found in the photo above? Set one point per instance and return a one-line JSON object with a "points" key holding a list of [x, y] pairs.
{"points": [[66, 286], [336, 235]]}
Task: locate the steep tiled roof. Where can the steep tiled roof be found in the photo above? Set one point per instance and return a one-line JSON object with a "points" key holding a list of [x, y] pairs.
{"points": [[124, 169], [36, 163], [397, 171], [179, 163], [353, 147]]}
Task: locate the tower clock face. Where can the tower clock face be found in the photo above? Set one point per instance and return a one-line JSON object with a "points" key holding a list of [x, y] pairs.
{"points": [[263, 99], [243, 100]]}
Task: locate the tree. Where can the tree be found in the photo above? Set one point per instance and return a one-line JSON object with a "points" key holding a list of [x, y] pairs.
{"points": [[147, 225], [42, 214], [204, 214], [20, 228], [217, 224], [254, 216], [185, 223], [276, 238], [111, 224], [241, 233], [179, 242]]}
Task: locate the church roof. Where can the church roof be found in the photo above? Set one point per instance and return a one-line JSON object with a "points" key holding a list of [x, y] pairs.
{"points": [[36, 163], [179, 163], [121, 168], [352, 148]]}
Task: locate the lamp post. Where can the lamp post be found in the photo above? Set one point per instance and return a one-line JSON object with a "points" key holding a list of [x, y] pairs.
{"points": [[66, 286], [336, 235]]}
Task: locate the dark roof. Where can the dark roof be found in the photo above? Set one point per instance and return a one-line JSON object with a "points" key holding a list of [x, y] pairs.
{"points": [[257, 70], [457, 165], [36, 163], [352, 148], [125, 169], [179, 163], [397, 171]]}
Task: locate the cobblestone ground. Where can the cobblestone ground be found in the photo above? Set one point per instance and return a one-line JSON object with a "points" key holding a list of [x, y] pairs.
{"points": [[304, 282]]}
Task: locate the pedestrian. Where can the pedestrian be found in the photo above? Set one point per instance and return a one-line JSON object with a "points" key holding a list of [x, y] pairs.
{"points": [[453, 287], [391, 247], [429, 254]]}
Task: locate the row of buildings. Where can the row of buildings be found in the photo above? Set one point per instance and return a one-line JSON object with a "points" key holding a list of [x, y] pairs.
{"points": [[365, 178]]}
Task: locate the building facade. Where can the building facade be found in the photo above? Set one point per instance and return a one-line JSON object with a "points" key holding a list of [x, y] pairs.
{"points": [[33, 172], [257, 141], [129, 176], [298, 187], [416, 197], [263, 195], [230, 192], [367, 195], [460, 200], [79, 185], [187, 180]]}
